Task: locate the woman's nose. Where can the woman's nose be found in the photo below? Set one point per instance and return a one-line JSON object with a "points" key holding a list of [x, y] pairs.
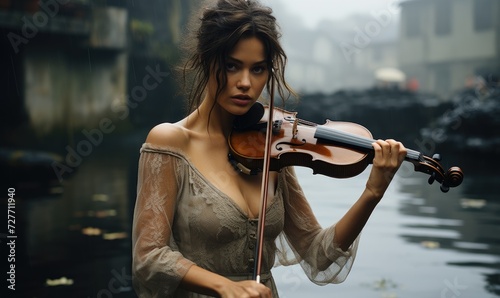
{"points": [[244, 80]]}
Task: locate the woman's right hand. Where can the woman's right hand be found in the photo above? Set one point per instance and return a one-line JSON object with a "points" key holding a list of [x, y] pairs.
{"points": [[244, 289], [202, 281]]}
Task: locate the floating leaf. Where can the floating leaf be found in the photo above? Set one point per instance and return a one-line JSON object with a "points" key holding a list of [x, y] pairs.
{"points": [[430, 244], [63, 281], [472, 203], [114, 236], [90, 231], [99, 197]]}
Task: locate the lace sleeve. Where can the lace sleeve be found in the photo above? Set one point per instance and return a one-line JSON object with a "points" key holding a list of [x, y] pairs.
{"points": [[305, 242], [157, 267]]}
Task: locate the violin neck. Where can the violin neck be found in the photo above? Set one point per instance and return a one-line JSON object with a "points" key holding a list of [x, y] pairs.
{"points": [[344, 139]]}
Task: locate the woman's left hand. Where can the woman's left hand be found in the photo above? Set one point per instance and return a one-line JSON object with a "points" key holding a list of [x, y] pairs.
{"points": [[389, 155]]}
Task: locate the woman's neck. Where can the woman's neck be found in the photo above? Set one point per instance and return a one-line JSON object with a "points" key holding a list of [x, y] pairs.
{"points": [[210, 118]]}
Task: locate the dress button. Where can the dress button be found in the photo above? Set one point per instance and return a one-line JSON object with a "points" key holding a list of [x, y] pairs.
{"points": [[251, 265], [251, 245]]}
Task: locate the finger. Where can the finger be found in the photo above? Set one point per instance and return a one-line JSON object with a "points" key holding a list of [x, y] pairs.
{"points": [[264, 291], [255, 289], [398, 150], [402, 151], [377, 147], [393, 148], [385, 147], [253, 292]]}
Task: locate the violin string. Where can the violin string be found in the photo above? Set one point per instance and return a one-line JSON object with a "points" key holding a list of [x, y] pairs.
{"points": [[347, 138], [302, 121], [358, 141], [354, 140]]}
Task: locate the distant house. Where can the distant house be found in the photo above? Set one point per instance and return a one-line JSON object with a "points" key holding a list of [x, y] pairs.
{"points": [[342, 54], [444, 43], [312, 66]]}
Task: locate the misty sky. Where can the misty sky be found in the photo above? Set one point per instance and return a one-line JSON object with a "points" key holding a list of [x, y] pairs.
{"points": [[312, 11]]}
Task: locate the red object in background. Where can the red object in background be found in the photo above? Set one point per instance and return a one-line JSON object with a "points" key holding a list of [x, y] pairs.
{"points": [[413, 85]]}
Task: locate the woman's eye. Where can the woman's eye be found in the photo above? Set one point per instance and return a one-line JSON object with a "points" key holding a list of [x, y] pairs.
{"points": [[259, 69], [230, 67]]}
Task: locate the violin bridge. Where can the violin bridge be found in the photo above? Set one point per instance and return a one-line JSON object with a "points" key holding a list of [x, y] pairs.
{"points": [[294, 129], [277, 126]]}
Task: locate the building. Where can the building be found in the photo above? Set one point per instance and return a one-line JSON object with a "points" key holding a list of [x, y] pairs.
{"points": [[64, 63], [341, 54], [444, 43], [75, 64]]}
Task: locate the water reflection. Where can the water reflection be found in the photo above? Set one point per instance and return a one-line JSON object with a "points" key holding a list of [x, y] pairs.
{"points": [[77, 244], [465, 221]]}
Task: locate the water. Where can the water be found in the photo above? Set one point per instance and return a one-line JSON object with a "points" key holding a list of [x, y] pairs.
{"points": [[418, 243]]}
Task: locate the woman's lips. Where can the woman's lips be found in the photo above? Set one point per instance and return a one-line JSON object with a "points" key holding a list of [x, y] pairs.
{"points": [[241, 100]]}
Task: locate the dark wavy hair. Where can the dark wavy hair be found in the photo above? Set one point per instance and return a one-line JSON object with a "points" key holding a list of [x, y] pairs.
{"points": [[213, 36]]}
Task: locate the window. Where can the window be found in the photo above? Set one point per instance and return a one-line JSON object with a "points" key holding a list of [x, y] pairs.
{"points": [[442, 20], [443, 79], [483, 15], [412, 21], [377, 54]]}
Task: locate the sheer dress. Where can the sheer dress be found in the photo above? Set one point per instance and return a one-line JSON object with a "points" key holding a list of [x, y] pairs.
{"points": [[182, 219]]}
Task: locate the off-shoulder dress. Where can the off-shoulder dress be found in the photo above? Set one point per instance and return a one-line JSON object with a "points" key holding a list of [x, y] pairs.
{"points": [[181, 219]]}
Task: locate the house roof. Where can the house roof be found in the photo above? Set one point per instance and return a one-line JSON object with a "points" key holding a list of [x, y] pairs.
{"points": [[410, 2]]}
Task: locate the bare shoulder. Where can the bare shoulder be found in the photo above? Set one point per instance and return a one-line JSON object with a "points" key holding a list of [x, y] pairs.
{"points": [[168, 135]]}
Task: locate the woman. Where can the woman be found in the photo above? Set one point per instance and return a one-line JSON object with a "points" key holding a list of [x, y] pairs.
{"points": [[195, 217]]}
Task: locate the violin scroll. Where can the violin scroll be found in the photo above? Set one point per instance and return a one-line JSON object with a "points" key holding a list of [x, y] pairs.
{"points": [[453, 177]]}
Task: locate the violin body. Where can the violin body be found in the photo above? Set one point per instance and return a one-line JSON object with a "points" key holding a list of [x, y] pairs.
{"points": [[335, 149], [301, 149]]}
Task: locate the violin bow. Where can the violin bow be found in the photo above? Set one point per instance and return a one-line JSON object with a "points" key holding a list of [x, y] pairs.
{"points": [[264, 187]]}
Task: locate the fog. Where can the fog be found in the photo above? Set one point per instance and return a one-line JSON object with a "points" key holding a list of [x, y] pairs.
{"points": [[443, 46], [310, 13], [329, 43]]}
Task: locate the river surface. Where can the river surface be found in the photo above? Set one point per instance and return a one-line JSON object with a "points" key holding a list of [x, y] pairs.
{"points": [[419, 242]]}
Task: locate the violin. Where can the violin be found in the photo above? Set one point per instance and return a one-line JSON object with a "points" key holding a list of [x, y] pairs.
{"points": [[336, 149]]}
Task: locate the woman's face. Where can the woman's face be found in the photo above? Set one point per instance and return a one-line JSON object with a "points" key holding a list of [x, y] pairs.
{"points": [[247, 74]]}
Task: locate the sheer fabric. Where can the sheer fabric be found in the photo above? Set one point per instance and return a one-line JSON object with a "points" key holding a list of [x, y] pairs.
{"points": [[182, 219]]}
